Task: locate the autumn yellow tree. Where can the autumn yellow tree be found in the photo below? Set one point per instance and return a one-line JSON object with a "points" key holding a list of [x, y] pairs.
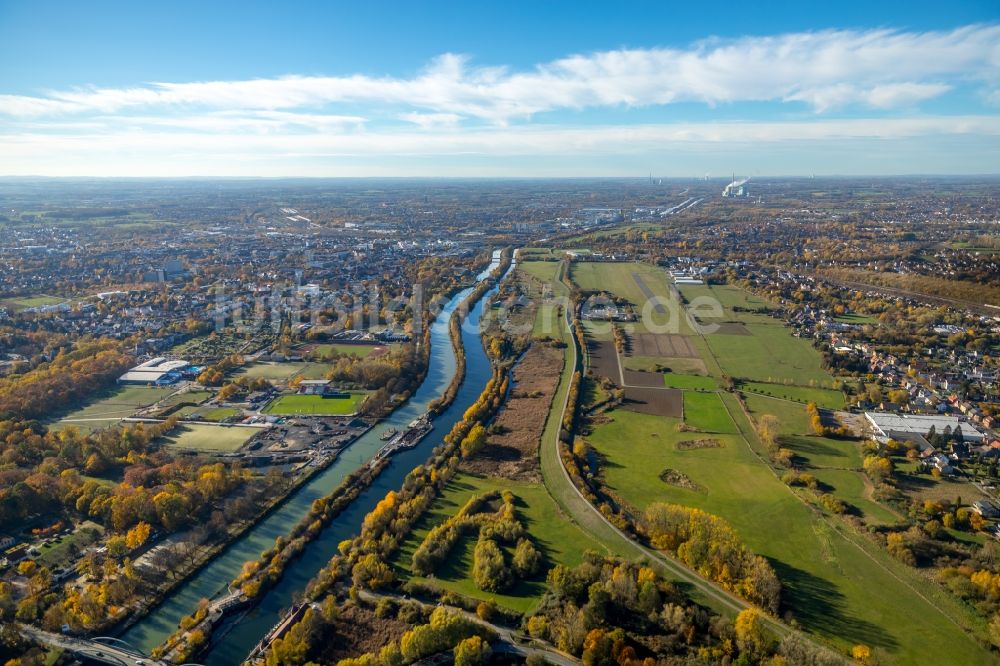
{"points": [[138, 535]]}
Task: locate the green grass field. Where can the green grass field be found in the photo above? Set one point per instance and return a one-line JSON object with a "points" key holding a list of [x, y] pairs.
{"points": [[209, 438], [770, 353], [797, 434], [597, 330], [824, 398], [195, 397], [835, 462], [557, 484], [560, 541], [855, 318], [118, 403], [694, 382], [849, 486], [729, 297], [283, 372], [19, 304], [288, 405], [280, 372], [838, 587], [361, 351], [706, 412], [921, 487], [207, 413]]}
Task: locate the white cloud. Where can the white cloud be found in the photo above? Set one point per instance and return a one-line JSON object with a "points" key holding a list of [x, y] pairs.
{"points": [[234, 121], [886, 96], [876, 68], [942, 143], [429, 120], [512, 141]]}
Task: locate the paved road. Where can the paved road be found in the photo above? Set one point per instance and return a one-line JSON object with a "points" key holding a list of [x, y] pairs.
{"points": [[657, 301], [510, 641], [114, 655]]}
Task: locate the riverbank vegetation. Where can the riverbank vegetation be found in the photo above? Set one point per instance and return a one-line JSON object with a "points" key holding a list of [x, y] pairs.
{"points": [[361, 561], [455, 330]]}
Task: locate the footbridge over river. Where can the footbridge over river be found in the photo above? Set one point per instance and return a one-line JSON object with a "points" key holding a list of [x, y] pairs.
{"points": [[102, 649]]}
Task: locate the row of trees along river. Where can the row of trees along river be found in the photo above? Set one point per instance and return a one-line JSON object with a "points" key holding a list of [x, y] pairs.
{"points": [[239, 633]]}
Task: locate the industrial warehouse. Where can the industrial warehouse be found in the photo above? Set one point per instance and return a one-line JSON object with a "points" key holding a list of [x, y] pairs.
{"points": [[157, 371], [886, 426]]}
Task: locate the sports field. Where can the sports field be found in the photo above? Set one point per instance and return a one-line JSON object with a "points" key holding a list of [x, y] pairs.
{"points": [[560, 541], [121, 402], [283, 372], [836, 585], [288, 405], [280, 372], [209, 438], [206, 413], [18, 304], [361, 351]]}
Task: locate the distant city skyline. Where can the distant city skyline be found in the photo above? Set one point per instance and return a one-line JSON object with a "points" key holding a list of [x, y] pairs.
{"points": [[526, 89]]}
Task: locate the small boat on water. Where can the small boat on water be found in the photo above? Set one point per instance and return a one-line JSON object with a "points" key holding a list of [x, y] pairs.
{"points": [[388, 433]]}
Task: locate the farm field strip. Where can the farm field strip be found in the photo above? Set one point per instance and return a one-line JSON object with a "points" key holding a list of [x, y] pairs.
{"points": [[823, 397]]}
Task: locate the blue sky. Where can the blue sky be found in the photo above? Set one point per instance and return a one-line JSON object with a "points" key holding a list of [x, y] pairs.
{"points": [[498, 89]]}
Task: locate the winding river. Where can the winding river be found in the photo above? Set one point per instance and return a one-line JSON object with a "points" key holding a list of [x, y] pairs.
{"points": [[242, 631]]}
